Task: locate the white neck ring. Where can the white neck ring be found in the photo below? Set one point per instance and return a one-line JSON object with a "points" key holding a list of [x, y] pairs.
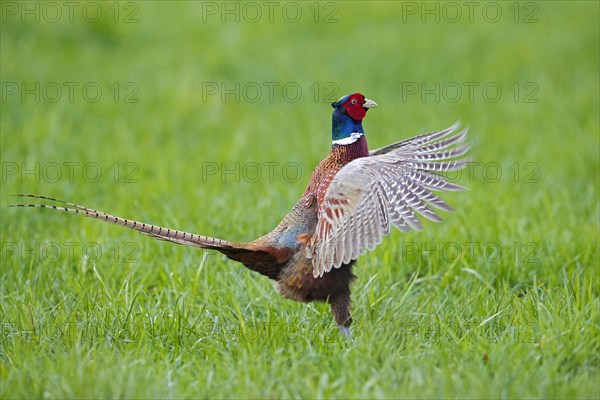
{"points": [[354, 136]]}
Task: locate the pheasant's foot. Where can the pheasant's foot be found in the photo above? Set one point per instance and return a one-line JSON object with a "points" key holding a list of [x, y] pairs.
{"points": [[345, 333]]}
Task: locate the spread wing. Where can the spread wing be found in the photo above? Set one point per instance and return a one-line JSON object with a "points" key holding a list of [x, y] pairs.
{"points": [[370, 194]]}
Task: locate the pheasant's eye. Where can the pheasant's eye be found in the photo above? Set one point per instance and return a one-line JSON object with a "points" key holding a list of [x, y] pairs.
{"points": [[353, 101]]}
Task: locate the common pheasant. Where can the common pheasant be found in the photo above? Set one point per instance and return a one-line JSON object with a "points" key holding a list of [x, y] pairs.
{"points": [[352, 199]]}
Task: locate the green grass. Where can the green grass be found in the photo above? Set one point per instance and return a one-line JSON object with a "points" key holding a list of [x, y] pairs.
{"points": [[438, 313]]}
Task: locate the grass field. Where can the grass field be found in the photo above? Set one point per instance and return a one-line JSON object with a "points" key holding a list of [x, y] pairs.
{"points": [[209, 117]]}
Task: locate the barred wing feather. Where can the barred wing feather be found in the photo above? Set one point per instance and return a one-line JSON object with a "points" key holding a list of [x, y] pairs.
{"points": [[390, 187]]}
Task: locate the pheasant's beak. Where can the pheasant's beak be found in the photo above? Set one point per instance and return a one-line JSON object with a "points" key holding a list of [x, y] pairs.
{"points": [[369, 103]]}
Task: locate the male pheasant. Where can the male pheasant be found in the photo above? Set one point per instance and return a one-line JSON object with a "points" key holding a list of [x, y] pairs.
{"points": [[353, 198]]}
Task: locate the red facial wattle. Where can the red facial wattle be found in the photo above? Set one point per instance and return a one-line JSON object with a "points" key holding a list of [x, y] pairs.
{"points": [[354, 107]]}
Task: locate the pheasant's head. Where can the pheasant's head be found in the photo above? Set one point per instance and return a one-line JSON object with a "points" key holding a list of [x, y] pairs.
{"points": [[348, 113]]}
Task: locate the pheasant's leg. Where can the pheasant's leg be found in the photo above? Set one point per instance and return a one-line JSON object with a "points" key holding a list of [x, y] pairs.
{"points": [[340, 308]]}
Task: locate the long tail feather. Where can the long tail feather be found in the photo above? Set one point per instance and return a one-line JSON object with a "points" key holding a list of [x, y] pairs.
{"points": [[159, 232]]}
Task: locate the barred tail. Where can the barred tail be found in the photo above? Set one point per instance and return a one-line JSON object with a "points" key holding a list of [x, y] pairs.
{"points": [[158, 232]]}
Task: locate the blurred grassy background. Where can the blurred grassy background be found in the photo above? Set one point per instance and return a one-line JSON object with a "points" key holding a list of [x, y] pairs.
{"points": [[139, 328]]}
